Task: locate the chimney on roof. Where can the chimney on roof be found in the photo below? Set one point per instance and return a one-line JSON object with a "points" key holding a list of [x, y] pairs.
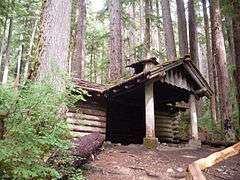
{"points": [[144, 65]]}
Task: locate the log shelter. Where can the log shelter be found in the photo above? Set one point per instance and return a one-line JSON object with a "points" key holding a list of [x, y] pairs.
{"points": [[143, 108]]}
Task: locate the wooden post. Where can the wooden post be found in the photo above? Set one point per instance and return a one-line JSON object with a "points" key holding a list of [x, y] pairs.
{"points": [[194, 123], [150, 141]]}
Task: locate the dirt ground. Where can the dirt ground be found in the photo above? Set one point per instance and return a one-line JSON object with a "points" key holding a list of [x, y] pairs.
{"points": [[168, 162]]}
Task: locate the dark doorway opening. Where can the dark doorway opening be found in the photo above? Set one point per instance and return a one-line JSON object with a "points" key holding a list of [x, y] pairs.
{"points": [[126, 118]]}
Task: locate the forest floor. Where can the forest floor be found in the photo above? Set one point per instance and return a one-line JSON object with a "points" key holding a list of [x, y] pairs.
{"points": [[168, 162]]}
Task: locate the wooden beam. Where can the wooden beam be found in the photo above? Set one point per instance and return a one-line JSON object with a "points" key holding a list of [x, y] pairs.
{"points": [[81, 128], [86, 122], [149, 111], [87, 110], [194, 119], [150, 141], [86, 117], [80, 134]]}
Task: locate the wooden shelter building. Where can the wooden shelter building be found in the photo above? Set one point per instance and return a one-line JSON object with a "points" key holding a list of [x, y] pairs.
{"points": [[142, 108]]}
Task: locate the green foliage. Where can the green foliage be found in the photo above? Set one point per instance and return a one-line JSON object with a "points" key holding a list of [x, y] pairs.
{"points": [[35, 128], [184, 125], [230, 7], [205, 121]]}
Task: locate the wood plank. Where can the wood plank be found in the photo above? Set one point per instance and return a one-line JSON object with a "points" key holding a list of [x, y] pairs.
{"points": [[165, 134], [164, 130], [164, 120], [84, 110], [164, 114], [85, 117], [165, 139], [160, 125], [81, 128], [79, 134], [86, 122], [93, 106]]}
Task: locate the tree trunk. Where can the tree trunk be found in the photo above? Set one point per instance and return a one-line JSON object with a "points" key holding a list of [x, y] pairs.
{"points": [[159, 30], [132, 32], [142, 21], [236, 35], [78, 60], [54, 42], [168, 30], [94, 67], [147, 34], [229, 35], [3, 41], [7, 53], [219, 55], [29, 55], [182, 28], [91, 64], [115, 67], [211, 66], [193, 41], [20, 53]]}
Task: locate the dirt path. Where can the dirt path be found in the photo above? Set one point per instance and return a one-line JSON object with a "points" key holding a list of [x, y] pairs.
{"points": [[135, 162]]}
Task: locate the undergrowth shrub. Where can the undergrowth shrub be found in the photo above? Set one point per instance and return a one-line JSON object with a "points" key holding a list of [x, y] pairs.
{"points": [[35, 129]]}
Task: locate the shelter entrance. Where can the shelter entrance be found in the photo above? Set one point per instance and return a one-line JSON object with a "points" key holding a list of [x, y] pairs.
{"points": [[126, 117], [126, 114]]}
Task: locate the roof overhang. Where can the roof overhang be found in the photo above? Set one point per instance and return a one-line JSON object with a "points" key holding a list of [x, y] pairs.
{"points": [[158, 73]]}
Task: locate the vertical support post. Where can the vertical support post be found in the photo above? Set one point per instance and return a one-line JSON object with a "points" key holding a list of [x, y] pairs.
{"points": [[150, 141], [194, 141]]}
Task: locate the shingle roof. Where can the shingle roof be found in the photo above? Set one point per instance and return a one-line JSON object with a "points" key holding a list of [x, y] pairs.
{"points": [[158, 71]]}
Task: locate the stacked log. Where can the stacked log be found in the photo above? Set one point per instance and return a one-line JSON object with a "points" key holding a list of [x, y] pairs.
{"points": [[166, 126], [86, 119]]}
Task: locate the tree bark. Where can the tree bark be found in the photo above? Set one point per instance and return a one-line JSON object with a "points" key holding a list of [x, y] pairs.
{"points": [[132, 32], [236, 35], [7, 53], [29, 55], [3, 41], [20, 53], [54, 42], [78, 61], [193, 41], [142, 21], [211, 66], [159, 30], [182, 28], [115, 67], [147, 33], [168, 30], [219, 55]]}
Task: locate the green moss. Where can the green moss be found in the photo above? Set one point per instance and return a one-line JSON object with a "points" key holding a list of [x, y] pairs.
{"points": [[150, 143]]}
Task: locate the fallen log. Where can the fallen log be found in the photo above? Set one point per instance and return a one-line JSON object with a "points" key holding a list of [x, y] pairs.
{"points": [[218, 156], [218, 143], [195, 169], [194, 173], [87, 145]]}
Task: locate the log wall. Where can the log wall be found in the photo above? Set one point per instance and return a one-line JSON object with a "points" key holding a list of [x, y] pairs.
{"points": [[87, 117], [166, 126]]}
